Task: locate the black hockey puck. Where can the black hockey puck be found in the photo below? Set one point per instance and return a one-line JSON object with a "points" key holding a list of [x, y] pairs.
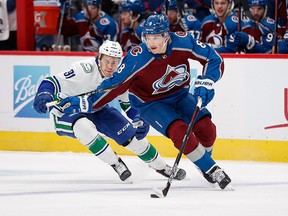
{"points": [[153, 196]]}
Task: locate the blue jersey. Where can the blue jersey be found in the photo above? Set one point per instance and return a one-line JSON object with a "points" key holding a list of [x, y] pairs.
{"points": [[151, 77], [264, 38], [91, 35], [193, 26], [218, 34]]}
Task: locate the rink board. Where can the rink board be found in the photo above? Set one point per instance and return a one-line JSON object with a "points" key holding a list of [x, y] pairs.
{"points": [[250, 108], [256, 150]]}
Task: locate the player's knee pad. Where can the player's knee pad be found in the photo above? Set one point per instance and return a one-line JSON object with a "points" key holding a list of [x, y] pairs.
{"points": [[205, 131], [176, 133], [138, 146], [85, 131]]}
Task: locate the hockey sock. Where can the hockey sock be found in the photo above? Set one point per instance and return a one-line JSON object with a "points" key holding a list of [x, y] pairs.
{"points": [[205, 131], [147, 153], [201, 158], [177, 131], [194, 151], [101, 149], [87, 134]]}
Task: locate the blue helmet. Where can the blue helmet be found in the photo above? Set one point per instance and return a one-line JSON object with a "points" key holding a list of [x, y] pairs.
{"points": [[136, 6], [263, 3], [156, 24], [93, 2], [172, 5]]}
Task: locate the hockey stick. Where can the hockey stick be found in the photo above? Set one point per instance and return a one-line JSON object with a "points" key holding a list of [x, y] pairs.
{"points": [[56, 47], [183, 21], [239, 26], [97, 91], [274, 50], [163, 193], [56, 102]]}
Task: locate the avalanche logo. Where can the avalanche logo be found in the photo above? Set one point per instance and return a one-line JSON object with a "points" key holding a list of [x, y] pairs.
{"points": [[174, 76], [26, 82]]}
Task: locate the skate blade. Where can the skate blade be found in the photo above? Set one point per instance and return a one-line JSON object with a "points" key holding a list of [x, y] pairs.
{"points": [[229, 187], [129, 180]]}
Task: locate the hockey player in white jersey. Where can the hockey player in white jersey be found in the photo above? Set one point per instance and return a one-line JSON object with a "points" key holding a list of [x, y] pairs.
{"points": [[83, 77]]}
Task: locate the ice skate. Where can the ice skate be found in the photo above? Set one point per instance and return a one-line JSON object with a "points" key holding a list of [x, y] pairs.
{"points": [[206, 176], [122, 170], [218, 175], [179, 174]]}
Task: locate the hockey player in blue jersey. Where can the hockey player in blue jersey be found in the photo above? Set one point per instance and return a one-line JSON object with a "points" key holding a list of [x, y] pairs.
{"points": [[92, 25], [188, 23], [131, 18], [84, 76], [256, 35], [218, 27], [157, 75]]}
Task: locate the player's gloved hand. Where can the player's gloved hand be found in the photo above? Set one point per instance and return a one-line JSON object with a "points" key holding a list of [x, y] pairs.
{"points": [[76, 104], [282, 47], [204, 89], [242, 39], [142, 127], [40, 101]]}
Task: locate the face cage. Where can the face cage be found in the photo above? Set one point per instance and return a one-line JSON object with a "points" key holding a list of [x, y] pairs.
{"points": [[165, 40]]}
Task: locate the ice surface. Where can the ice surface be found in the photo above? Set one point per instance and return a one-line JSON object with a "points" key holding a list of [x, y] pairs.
{"points": [[78, 184]]}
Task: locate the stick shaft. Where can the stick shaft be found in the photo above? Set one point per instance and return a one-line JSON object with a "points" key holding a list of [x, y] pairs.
{"points": [[184, 143]]}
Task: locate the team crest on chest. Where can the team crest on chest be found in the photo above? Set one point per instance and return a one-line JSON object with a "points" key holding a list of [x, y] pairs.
{"points": [[174, 76]]}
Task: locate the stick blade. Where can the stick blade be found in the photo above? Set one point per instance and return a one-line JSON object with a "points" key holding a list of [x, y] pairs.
{"points": [[158, 193]]}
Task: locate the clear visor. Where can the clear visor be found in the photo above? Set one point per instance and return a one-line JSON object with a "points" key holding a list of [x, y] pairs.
{"points": [[155, 40]]}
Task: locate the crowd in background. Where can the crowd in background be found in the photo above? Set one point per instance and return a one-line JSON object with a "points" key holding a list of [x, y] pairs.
{"points": [[85, 24]]}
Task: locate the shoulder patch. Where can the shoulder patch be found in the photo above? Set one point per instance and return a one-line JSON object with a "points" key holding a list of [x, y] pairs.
{"points": [[270, 21], [87, 67], [191, 18], [135, 51], [181, 34], [234, 19], [104, 21]]}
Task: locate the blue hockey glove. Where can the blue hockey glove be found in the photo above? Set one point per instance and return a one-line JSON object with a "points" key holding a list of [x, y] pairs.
{"points": [[142, 127], [40, 101], [204, 89], [242, 39], [76, 104], [282, 47]]}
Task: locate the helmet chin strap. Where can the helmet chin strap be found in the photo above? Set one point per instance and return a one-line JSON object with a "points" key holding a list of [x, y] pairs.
{"points": [[99, 67], [164, 46]]}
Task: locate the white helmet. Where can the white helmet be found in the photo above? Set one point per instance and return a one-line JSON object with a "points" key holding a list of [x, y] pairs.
{"points": [[111, 48]]}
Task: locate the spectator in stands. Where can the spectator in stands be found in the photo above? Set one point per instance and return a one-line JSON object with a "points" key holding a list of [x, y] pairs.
{"points": [[131, 11], [218, 27], [8, 25], [257, 34], [92, 25], [189, 23]]}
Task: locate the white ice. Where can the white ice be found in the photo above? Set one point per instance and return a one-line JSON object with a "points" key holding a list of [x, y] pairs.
{"points": [[78, 184]]}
